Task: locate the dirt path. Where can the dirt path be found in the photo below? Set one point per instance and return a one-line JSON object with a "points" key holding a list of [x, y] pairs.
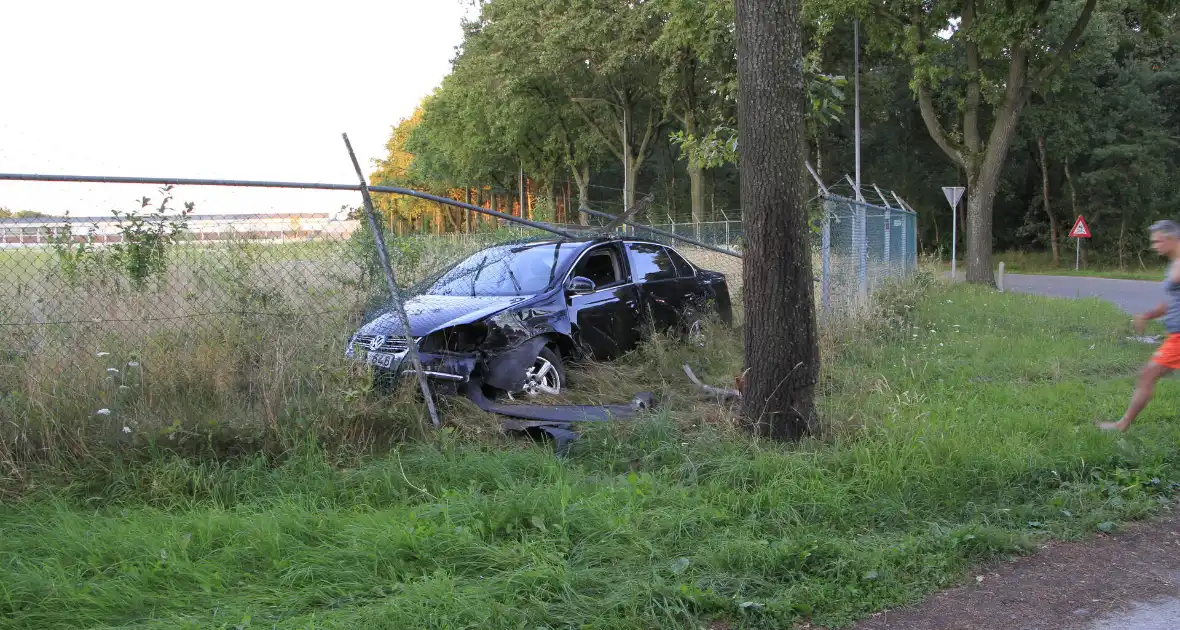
{"points": [[1128, 581]]}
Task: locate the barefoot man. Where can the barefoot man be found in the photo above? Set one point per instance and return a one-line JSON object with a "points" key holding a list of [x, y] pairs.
{"points": [[1165, 240]]}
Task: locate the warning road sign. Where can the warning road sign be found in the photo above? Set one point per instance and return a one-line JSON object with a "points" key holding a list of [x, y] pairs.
{"points": [[1080, 229]]}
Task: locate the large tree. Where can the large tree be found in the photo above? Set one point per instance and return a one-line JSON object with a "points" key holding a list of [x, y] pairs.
{"points": [[782, 361], [986, 56], [695, 51]]}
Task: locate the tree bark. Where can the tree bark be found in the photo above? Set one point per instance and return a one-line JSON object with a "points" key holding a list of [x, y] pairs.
{"points": [[782, 361], [1073, 194], [1123, 240], [696, 184], [696, 174], [467, 212], [1054, 235], [981, 193], [582, 181]]}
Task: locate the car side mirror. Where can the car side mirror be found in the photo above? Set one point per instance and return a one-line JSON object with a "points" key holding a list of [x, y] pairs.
{"points": [[579, 285]]}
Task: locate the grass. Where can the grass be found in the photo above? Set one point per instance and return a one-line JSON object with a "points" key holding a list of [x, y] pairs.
{"points": [[1041, 263], [958, 428]]}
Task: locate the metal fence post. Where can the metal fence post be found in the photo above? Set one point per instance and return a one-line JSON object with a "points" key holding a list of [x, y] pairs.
{"points": [[826, 255], [905, 243], [379, 240], [888, 233], [861, 231]]}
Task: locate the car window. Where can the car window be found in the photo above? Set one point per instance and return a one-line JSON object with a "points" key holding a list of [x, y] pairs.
{"points": [[600, 265], [650, 262], [682, 267], [504, 270]]}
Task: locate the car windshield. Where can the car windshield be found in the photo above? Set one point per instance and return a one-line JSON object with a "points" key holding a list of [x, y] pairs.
{"points": [[505, 270]]}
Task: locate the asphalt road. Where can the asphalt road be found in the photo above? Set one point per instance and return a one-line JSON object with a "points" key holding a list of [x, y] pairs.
{"points": [[1133, 296]]}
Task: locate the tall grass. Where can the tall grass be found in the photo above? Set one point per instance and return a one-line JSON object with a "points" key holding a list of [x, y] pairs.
{"points": [[958, 428], [236, 348]]}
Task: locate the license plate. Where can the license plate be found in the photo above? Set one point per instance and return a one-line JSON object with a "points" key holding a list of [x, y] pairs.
{"points": [[382, 360]]}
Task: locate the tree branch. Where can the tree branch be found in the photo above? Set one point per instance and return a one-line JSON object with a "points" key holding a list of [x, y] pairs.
{"points": [[647, 135], [598, 129], [944, 142], [1067, 47]]}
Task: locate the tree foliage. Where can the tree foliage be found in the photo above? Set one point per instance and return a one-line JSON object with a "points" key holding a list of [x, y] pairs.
{"points": [[953, 92]]}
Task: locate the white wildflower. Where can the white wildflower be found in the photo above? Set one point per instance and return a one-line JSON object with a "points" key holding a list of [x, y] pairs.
{"points": [[126, 429], [102, 354], [133, 364], [112, 370], [103, 412]]}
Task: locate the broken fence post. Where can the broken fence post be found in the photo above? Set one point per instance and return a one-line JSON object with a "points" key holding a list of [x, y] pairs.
{"points": [[382, 255]]}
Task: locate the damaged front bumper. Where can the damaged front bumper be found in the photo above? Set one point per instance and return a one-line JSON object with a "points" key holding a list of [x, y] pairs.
{"points": [[504, 369], [391, 358]]}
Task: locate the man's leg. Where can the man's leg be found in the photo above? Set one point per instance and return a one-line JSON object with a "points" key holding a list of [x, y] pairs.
{"points": [[1148, 377]]}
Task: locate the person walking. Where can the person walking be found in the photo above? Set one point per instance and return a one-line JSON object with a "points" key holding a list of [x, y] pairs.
{"points": [[1165, 240]]}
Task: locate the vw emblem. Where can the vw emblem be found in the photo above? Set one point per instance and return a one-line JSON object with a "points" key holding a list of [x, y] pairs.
{"points": [[377, 342]]}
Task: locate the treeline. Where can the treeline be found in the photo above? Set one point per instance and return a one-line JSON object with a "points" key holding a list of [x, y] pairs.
{"points": [[1044, 110]]}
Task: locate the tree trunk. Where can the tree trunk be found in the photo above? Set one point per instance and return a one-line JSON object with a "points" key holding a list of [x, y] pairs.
{"points": [[981, 194], [696, 182], [1054, 235], [696, 174], [582, 181], [1122, 240], [782, 362], [467, 212], [1073, 194]]}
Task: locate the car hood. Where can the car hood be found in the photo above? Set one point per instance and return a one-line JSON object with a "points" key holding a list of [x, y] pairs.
{"points": [[428, 313]]}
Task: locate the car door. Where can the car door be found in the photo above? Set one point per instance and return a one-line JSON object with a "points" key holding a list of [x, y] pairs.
{"points": [[692, 293], [605, 321], [661, 290]]}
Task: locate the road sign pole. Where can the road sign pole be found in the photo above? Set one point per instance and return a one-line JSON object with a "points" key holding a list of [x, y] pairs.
{"points": [[953, 195], [954, 241], [1079, 231]]}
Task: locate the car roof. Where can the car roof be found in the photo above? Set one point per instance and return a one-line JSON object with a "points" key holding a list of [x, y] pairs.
{"points": [[588, 241]]}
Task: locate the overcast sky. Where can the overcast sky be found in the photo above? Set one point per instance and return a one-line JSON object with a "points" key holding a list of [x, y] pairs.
{"points": [[251, 89]]}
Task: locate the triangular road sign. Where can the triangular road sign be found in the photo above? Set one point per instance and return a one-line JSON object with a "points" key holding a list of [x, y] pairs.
{"points": [[1080, 229], [953, 194]]}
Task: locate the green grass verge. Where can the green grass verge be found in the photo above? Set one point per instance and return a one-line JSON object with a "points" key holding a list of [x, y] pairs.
{"points": [[960, 434]]}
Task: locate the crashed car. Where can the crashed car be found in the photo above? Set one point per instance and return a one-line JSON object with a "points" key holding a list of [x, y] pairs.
{"points": [[510, 316]]}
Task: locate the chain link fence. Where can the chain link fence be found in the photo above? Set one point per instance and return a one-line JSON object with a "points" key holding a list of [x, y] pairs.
{"points": [[859, 247], [163, 318]]}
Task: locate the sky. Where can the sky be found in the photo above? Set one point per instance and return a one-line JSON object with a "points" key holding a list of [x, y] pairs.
{"points": [[248, 89]]}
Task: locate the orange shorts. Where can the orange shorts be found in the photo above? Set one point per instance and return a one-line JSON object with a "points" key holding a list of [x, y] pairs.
{"points": [[1168, 354]]}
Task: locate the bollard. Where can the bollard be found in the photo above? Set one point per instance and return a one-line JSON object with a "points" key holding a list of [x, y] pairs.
{"points": [[1000, 280]]}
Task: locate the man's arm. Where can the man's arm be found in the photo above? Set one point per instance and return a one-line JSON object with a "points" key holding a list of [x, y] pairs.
{"points": [[1156, 312]]}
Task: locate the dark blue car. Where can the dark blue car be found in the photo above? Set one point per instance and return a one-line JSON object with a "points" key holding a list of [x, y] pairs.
{"points": [[510, 316]]}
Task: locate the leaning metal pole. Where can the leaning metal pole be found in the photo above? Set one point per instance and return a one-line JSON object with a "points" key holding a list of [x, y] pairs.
{"points": [[379, 238]]}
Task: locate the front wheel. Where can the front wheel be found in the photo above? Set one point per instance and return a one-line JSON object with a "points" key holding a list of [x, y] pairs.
{"points": [[546, 377]]}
